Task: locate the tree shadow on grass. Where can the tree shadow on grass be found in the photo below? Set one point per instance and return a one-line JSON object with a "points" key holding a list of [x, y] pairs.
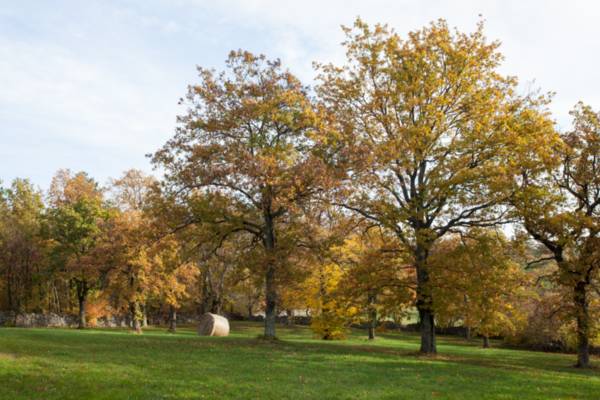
{"points": [[450, 349], [231, 367], [172, 363]]}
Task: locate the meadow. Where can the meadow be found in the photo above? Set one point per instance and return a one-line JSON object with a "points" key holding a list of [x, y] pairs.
{"points": [[117, 364]]}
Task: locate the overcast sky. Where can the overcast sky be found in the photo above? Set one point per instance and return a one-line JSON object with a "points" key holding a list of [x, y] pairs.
{"points": [[93, 85]]}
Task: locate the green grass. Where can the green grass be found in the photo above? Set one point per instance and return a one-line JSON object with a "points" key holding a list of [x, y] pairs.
{"points": [[115, 364]]}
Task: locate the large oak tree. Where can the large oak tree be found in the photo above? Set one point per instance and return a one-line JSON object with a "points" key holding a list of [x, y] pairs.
{"points": [[428, 130], [247, 143]]}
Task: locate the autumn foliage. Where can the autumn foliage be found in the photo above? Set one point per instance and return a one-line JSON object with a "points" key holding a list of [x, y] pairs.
{"points": [[413, 180]]}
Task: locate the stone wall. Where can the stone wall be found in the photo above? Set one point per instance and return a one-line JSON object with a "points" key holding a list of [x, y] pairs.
{"points": [[51, 320], [33, 320]]}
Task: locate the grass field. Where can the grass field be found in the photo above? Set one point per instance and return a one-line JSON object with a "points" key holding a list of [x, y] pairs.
{"points": [[115, 364]]}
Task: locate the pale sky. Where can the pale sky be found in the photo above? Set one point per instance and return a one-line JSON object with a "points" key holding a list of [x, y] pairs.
{"points": [[93, 85]]}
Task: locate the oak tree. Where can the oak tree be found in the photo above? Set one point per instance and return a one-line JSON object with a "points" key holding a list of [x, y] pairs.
{"points": [[559, 203], [427, 132], [248, 139]]}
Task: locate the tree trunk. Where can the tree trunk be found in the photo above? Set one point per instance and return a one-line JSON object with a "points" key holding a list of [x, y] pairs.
{"points": [[371, 330], [217, 305], [424, 303], [137, 326], [466, 320], [290, 317], [211, 301], [270, 290], [271, 303], [144, 316], [206, 293], [582, 310], [172, 319], [9, 295], [136, 317], [82, 292], [82, 317], [372, 316], [428, 345], [486, 342]]}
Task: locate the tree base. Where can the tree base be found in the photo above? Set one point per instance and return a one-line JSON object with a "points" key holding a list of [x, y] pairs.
{"points": [[268, 338], [583, 366]]}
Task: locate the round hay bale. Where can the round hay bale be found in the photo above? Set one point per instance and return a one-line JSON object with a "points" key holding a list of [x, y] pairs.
{"points": [[213, 325]]}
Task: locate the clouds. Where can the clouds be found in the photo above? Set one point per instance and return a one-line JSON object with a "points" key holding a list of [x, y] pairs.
{"points": [[87, 88], [51, 96], [553, 43], [94, 85]]}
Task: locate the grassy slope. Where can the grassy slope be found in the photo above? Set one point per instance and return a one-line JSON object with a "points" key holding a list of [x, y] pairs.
{"points": [[115, 364]]}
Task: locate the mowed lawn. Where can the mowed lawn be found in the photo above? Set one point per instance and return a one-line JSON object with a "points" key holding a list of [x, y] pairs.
{"points": [[116, 364]]}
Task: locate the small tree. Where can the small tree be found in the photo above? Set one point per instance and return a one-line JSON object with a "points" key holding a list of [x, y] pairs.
{"points": [[173, 278], [331, 313], [478, 280], [130, 263], [130, 241], [376, 279], [76, 219]]}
